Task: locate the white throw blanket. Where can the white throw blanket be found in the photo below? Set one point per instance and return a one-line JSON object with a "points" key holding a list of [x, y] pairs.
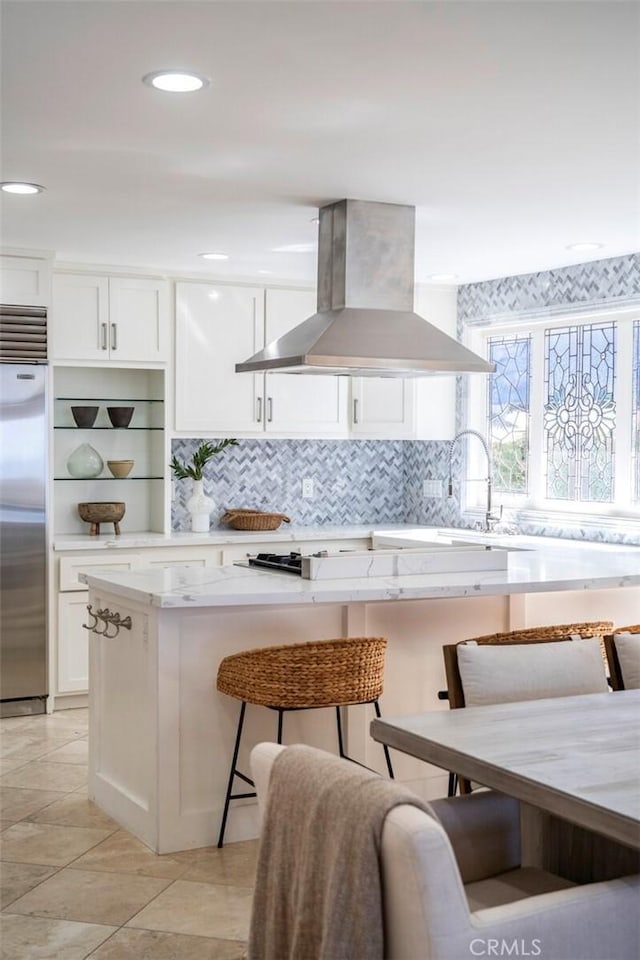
{"points": [[318, 886]]}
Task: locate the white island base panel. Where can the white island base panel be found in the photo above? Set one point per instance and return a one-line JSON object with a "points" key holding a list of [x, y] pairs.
{"points": [[161, 736]]}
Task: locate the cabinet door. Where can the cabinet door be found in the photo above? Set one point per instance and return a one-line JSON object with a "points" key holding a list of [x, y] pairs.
{"points": [[80, 318], [73, 644], [138, 319], [25, 281], [217, 327], [382, 407], [300, 404]]}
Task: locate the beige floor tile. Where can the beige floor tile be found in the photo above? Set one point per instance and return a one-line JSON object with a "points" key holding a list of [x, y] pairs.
{"points": [[16, 879], [122, 853], [16, 804], [40, 775], [76, 752], [11, 763], [27, 842], [130, 944], [235, 864], [74, 811], [34, 938], [90, 897], [199, 909], [29, 748]]}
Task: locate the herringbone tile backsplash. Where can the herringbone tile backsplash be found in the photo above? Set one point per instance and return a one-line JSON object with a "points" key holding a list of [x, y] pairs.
{"points": [[355, 481]]}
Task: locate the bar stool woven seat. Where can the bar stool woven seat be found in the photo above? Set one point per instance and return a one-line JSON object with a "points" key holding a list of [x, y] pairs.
{"points": [[555, 631], [302, 676]]}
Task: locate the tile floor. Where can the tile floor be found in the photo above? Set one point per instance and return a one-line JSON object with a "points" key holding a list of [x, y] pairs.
{"points": [[74, 885]]}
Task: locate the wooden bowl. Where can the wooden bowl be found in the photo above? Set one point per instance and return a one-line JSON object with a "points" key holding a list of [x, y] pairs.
{"points": [[102, 512], [120, 468], [120, 416]]}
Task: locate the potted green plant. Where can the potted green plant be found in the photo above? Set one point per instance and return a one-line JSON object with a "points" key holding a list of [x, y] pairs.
{"points": [[198, 504]]}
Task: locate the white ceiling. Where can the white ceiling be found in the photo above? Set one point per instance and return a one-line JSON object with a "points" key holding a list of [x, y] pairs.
{"points": [[513, 127]]}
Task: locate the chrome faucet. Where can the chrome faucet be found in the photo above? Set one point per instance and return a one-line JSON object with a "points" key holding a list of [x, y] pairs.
{"points": [[488, 517]]}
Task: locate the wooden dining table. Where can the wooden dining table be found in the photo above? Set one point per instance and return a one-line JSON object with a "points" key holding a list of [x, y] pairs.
{"points": [[572, 758]]}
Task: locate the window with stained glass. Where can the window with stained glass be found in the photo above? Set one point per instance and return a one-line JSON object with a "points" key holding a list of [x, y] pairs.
{"points": [[580, 412], [508, 409], [562, 414]]}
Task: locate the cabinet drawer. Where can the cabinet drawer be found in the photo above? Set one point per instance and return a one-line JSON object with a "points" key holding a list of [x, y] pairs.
{"points": [[70, 567]]}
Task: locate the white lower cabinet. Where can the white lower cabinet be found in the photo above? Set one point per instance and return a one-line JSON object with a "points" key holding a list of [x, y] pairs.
{"points": [[72, 675]]}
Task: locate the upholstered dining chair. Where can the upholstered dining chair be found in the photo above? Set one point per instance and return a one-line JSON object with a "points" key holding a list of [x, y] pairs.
{"points": [[528, 664], [623, 654], [450, 877]]}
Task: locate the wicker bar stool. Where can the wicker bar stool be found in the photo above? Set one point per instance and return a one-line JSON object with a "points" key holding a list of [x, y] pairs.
{"points": [[616, 679], [302, 676]]}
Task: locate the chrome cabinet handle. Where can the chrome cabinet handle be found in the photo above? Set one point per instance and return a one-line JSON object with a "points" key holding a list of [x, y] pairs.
{"points": [[355, 411], [114, 336], [270, 409], [103, 333], [259, 416]]}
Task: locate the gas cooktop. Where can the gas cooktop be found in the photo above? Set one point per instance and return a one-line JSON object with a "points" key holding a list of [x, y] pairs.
{"points": [[289, 562]]}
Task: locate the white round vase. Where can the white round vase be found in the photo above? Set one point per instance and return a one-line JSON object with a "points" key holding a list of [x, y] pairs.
{"points": [[200, 507]]}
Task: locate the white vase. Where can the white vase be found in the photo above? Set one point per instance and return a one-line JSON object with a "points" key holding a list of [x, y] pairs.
{"points": [[200, 507]]}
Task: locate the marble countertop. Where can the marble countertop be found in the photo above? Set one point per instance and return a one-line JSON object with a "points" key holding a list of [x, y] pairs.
{"points": [[532, 568], [223, 536]]}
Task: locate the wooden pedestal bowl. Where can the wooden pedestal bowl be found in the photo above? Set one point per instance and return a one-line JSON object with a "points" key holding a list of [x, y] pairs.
{"points": [[102, 512]]}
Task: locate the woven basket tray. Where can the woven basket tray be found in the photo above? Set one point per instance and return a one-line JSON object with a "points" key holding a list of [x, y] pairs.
{"points": [[253, 520]]}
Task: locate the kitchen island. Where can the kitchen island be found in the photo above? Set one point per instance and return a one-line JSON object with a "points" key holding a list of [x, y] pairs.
{"points": [[160, 734]]}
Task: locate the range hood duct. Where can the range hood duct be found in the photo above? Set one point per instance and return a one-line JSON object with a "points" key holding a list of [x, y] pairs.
{"points": [[365, 325]]}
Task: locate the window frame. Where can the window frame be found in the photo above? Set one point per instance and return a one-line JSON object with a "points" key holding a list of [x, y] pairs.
{"points": [[535, 506]]}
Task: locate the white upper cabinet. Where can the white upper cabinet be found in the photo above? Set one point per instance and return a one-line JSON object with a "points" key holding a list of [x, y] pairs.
{"points": [[25, 281], [300, 403], [382, 407], [117, 319], [217, 326]]}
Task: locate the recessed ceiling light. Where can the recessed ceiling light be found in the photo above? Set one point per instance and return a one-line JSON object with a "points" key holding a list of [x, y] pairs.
{"points": [[442, 277], [214, 256], [214, 295], [265, 273], [295, 248], [175, 81], [17, 186], [585, 246], [314, 220]]}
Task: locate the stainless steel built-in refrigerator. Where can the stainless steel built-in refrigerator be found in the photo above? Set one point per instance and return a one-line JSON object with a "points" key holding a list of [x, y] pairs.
{"points": [[23, 538]]}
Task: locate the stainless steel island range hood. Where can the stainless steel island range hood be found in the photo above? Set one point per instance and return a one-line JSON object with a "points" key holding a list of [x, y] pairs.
{"points": [[365, 325]]}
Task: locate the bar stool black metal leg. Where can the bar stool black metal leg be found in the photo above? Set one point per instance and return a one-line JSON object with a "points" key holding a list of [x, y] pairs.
{"points": [[280, 718], [232, 774], [340, 740], [453, 785], [376, 707]]}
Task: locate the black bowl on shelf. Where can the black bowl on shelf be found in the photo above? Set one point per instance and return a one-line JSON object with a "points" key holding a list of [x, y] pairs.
{"points": [[84, 416], [120, 416]]}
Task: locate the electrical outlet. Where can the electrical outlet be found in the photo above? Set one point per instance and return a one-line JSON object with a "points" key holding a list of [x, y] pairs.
{"points": [[432, 488], [307, 488]]}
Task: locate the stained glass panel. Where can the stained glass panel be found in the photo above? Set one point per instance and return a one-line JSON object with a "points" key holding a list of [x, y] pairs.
{"points": [[635, 413], [508, 406], [579, 413]]}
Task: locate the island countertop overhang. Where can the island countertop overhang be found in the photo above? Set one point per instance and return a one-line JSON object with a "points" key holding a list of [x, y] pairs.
{"points": [[529, 571]]}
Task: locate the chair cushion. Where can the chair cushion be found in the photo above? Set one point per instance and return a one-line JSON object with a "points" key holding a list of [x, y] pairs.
{"points": [[530, 671], [514, 885], [628, 650]]}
